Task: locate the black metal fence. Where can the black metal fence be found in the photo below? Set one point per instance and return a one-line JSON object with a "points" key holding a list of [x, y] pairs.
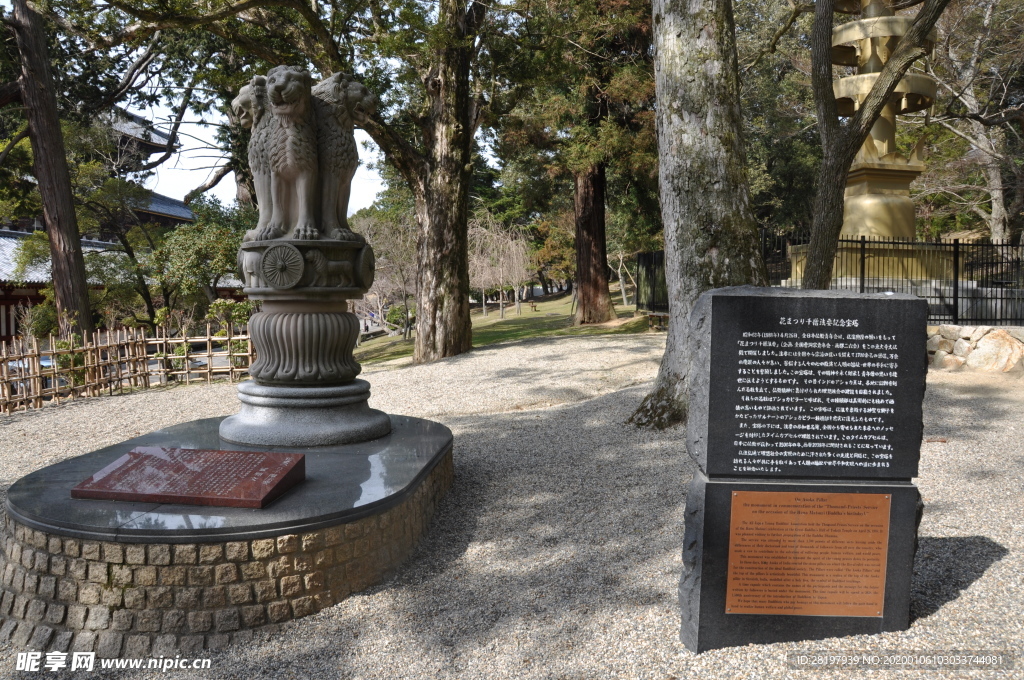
{"points": [[651, 289], [962, 282]]}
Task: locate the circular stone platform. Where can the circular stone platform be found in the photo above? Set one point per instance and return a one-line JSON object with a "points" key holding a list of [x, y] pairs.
{"points": [[149, 579]]}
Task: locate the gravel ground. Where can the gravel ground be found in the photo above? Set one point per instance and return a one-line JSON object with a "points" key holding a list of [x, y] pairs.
{"points": [[557, 553]]}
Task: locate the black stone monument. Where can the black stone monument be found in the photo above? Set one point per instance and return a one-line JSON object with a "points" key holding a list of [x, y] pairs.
{"points": [[805, 422]]}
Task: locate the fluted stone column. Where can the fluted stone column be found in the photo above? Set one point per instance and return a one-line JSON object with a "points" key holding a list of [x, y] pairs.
{"points": [[304, 390]]}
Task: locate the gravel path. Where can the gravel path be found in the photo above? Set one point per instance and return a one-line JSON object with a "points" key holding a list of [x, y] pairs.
{"points": [[557, 553]]}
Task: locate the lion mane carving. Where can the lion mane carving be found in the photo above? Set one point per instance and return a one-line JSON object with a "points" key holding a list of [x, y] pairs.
{"points": [[252, 109], [302, 151], [289, 145], [340, 103]]}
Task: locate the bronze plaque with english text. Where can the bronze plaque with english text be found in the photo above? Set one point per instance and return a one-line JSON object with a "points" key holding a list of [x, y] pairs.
{"points": [[809, 554]]}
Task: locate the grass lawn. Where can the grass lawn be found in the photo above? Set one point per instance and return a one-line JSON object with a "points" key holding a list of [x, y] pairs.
{"points": [[551, 319]]}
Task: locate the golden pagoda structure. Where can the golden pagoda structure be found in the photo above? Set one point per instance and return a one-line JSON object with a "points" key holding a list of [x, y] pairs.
{"points": [[878, 203]]}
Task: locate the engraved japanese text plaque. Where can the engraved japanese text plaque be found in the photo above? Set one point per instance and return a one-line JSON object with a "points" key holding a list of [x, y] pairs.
{"points": [[239, 479]]}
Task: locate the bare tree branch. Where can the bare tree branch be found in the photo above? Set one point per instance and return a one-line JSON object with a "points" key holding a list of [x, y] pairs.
{"points": [[137, 67], [324, 36], [152, 21], [897, 5], [214, 180], [254, 47], [983, 147], [797, 10], [406, 159], [1005, 116], [12, 143], [173, 136], [161, 20]]}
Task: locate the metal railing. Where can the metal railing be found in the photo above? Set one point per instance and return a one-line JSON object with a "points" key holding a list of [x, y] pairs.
{"points": [[962, 282], [651, 289]]}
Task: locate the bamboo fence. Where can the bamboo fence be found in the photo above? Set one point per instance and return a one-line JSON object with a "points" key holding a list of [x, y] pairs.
{"points": [[34, 373]]}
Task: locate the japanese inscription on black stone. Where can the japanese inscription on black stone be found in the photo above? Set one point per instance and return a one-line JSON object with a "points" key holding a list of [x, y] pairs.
{"points": [[816, 387]]}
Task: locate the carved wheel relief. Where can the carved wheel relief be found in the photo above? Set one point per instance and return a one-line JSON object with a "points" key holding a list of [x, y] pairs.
{"points": [[281, 266], [365, 267]]}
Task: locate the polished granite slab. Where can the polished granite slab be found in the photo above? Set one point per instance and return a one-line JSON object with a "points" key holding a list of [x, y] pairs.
{"points": [[343, 483], [161, 474], [707, 620]]}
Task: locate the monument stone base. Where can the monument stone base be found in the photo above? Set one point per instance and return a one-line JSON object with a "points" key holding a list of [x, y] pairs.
{"points": [[807, 560], [304, 416], [138, 579]]}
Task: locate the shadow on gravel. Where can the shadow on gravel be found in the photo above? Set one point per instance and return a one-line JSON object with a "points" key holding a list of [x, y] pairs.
{"points": [[977, 407], [945, 567], [556, 516]]}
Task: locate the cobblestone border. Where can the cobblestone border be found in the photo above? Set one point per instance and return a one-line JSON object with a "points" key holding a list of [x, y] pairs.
{"points": [[152, 599]]}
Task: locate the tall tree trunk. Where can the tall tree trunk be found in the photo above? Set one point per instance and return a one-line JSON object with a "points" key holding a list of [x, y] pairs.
{"points": [[827, 223], [964, 67], [998, 221], [543, 282], [406, 323], [595, 304], [992, 147], [141, 285], [622, 283], [443, 326], [439, 178], [483, 301], [51, 170], [710, 231]]}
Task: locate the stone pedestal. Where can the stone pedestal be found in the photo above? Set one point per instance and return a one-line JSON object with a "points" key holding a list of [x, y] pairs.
{"points": [[304, 416], [881, 267], [878, 203], [805, 423], [828, 591], [158, 572], [140, 579], [304, 390]]}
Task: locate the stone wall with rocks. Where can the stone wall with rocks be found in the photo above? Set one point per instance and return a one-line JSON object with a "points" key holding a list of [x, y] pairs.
{"points": [[139, 600], [977, 348]]}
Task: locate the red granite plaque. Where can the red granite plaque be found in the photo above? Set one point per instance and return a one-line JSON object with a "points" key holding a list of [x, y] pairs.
{"points": [[234, 479]]}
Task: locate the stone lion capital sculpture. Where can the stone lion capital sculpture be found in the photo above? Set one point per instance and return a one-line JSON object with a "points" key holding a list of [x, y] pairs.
{"points": [[303, 263], [302, 151]]}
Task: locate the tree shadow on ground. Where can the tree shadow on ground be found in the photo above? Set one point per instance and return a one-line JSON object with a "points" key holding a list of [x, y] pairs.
{"points": [[945, 567], [556, 517], [977, 406], [563, 529]]}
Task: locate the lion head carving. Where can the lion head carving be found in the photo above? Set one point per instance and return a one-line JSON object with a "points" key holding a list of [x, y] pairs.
{"points": [[349, 100], [288, 91], [302, 151], [360, 102], [242, 106]]}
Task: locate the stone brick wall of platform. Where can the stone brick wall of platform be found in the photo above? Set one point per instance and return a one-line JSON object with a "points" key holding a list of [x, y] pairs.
{"points": [[140, 600], [978, 348]]}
